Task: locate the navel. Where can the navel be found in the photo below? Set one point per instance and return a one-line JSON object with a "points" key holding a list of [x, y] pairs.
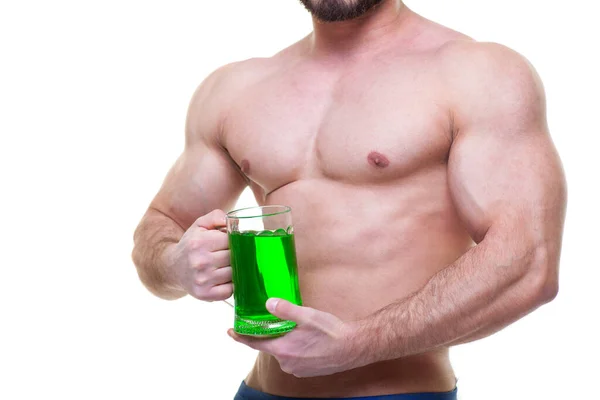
{"points": [[378, 160], [245, 165]]}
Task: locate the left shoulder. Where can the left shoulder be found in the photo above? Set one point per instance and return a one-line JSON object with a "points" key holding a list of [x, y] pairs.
{"points": [[484, 60], [489, 80]]}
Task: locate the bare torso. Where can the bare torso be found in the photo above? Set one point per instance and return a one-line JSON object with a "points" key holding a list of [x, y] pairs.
{"points": [[359, 151], [398, 144]]}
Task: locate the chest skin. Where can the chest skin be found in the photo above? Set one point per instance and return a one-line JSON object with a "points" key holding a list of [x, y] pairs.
{"points": [[370, 123], [359, 152]]}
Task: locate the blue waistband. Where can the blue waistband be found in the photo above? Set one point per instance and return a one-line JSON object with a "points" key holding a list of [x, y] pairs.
{"points": [[247, 393]]}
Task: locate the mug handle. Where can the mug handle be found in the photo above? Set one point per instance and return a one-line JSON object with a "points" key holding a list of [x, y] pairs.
{"points": [[224, 230], [228, 303]]}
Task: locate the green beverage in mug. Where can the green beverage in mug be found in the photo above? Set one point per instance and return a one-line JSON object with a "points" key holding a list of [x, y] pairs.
{"points": [[263, 259]]}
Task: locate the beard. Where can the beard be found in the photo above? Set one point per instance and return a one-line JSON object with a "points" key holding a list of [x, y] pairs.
{"points": [[338, 10]]}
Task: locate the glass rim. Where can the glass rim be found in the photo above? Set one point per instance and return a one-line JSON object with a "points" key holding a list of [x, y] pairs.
{"points": [[284, 209]]}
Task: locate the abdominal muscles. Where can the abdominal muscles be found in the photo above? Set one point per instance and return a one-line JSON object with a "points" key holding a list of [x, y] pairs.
{"points": [[360, 248]]}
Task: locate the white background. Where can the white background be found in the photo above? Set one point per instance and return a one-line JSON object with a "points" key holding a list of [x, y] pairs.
{"points": [[93, 97]]}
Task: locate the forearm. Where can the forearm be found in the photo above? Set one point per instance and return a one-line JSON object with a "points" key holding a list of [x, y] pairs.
{"points": [[152, 239], [486, 289], [490, 328]]}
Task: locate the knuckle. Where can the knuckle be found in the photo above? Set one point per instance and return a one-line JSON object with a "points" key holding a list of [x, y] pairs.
{"points": [[193, 244], [218, 213], [201, 281], [201, 261], [204, 261]]}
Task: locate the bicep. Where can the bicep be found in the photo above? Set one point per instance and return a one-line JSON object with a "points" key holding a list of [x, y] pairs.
{"points": [[505, 175], [201, 180], [204, 177], [514, 183]]}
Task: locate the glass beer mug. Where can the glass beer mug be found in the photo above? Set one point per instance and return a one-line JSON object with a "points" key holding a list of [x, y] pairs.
{"points": [[263, 260]]}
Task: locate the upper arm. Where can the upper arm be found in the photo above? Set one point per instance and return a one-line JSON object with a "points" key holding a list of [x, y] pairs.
{"points": [[204, 177], [505, 176]]}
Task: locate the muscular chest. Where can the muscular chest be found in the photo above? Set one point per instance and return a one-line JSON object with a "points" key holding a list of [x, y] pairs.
{"points": [[366, 126]]}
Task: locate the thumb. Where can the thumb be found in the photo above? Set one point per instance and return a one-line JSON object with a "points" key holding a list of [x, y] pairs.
{"points": [[320, 320], [212, 220], [287, 311]]}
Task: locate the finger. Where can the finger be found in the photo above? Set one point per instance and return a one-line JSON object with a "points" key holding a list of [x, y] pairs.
{"points": [[221, 276], [221, 258], [265, 345], [220, 292], [291, 312], [212, 220], [213, 240]]}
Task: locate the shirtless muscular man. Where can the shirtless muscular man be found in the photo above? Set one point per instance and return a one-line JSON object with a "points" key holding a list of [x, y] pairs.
{"points": [[428, 199]]}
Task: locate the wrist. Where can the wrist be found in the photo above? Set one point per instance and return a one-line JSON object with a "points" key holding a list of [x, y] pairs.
{"points": [[168, 266], [360, 344]]}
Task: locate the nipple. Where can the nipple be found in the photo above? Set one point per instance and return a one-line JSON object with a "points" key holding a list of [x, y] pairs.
{"points": [[378, 160]]}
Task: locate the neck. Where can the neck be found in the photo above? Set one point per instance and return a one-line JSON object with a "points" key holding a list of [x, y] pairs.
{"points": [[369, 31]]}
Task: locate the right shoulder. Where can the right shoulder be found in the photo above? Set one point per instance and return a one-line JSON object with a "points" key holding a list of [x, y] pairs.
{"points": [[210, 102]]}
